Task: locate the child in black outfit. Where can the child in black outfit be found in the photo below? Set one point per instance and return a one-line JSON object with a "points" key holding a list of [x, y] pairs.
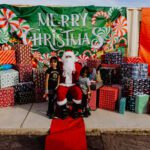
{"points": [[84, 83], [51, 85]]}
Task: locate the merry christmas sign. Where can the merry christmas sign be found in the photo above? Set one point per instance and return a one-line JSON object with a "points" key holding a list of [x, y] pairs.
{"points": [[88, 31]]}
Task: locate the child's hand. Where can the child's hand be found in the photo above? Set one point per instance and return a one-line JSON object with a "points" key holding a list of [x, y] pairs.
{"points": [[45, 95], [89, 95], [56, 88]]}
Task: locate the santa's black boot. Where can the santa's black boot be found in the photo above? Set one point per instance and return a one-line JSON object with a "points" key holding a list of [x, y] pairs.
{"points": [[62, 112], [76, 111]]}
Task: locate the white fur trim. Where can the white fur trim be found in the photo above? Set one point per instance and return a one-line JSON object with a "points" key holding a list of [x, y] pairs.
{"points": [[77, 101], [63, 102], [69, 53]]}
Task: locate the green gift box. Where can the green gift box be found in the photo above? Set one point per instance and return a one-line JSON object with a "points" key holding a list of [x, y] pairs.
{"points": [[141, 103]]}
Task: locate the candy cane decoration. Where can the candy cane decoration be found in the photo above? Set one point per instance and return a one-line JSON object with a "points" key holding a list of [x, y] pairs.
{"points": [[112, 40], [4, 36], [124, 39], [120, 26], [83, 59], [93, 49], [23, 30], [45, 58], [8, 20], [28, 42], [37, 55], [53, 54], [99, 13], [87, 51]]}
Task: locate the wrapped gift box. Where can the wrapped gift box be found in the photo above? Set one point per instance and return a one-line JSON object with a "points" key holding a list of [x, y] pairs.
{"points": [[8, 78], [122, 105], [93, 63], [7, 97], [141, 104], [110, 74], [133, 60], [39, 78], [108, 97], [24, 87], [24, 93], [24, 97], [119, 94], [134, 70], [113, 58], [25, 72], [135, 86], [23, 53], [149, 106], [92, 102], [39, 95], [131, 103], [7, 57]]}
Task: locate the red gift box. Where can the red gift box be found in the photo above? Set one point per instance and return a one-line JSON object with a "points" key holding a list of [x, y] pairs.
{"points": [[93, 63], [92, 102], [7, 97], [23, 54], [110, 65], [39, 78], [39, 95], [108, 97], [133, 60], [7, 57], [25, 72]]}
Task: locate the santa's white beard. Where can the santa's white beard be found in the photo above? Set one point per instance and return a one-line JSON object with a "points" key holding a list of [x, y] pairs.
{"points": [[68, 66]]}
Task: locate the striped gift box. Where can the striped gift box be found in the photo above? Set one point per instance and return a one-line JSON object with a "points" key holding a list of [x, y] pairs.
{"points": [[132, 60], [108, 97], [7, 57]]}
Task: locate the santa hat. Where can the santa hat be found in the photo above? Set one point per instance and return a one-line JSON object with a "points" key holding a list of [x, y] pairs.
{"points": [[69, 53]]}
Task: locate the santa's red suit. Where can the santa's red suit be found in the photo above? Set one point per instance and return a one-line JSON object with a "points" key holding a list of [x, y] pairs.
{"points": [[68, 84]]}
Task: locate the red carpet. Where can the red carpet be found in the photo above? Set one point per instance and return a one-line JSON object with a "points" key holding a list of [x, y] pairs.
{"points": [[68, 134]]}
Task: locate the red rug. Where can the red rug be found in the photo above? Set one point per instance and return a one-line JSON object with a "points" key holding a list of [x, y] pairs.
{"points": [[68, 134]]}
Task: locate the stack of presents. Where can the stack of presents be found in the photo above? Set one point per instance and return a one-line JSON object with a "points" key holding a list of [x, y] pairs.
{"points": [[126, 85], [19, 82]]}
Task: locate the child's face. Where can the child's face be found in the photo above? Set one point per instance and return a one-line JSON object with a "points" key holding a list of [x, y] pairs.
{"points": [[53, 64], [85, 74]]}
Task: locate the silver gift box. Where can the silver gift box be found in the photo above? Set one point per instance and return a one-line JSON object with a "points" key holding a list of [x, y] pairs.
{"points": [[9, 78]]}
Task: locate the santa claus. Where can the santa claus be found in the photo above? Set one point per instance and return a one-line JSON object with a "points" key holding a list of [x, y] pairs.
{"points": [[69, 78]]}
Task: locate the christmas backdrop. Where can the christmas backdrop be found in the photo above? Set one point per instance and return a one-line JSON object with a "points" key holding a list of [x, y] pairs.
{"points": [[88, 31]]}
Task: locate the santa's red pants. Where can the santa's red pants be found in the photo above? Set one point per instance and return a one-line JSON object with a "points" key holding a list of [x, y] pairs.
{"points": [[75, 92]]}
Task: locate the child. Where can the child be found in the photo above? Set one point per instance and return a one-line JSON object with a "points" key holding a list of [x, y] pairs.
{"points": [[51, 84], [84, 83]]}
